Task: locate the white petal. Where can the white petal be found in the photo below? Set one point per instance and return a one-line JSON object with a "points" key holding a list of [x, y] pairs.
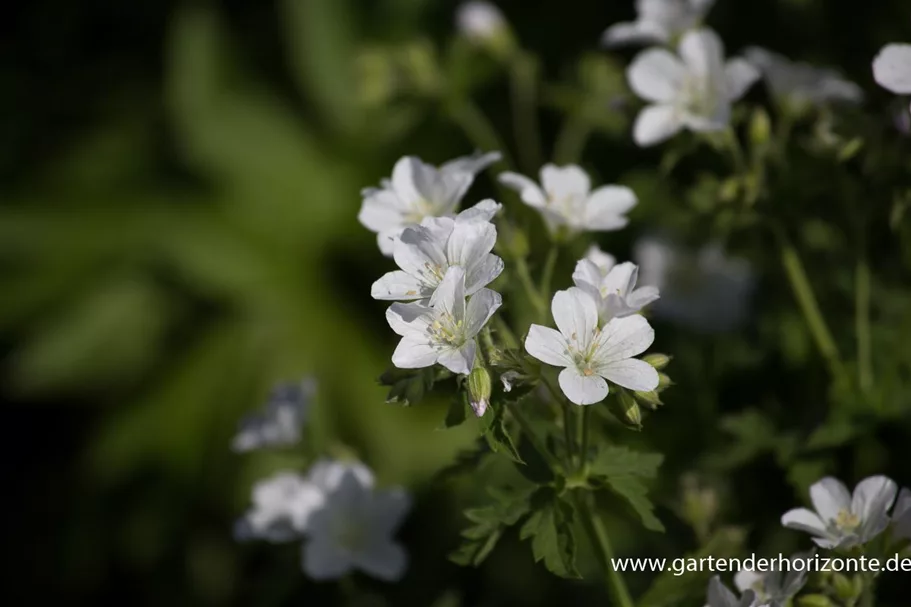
{"points": [[459, 360], [703, 53], [380, 211], [399, 286], [720, 595], [587, 275], [386, 241], [656, 75], [387, 510], [636, 32], [621, 279], [449, 298], [473, 164], [641, 297], [872, 499], [414, 352], [656, 123], [409, 318], [610, 199], [804, 520], [483, 274], [631, 373], [386, 561], [485, 210], [830, 496], [740, 76], [623, 338], [548, 346], [404, 175], [530, 193], [746, 579], [603, 260], [469, 245], [419, 253], [481, 306], [565, 182], [892, 68], [323, 560], [576, 316], [581, 389]]}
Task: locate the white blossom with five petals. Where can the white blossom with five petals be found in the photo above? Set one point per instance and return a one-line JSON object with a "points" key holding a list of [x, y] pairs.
{"points": [[613, 287], [566, 200], [693, 89], [444, 331], [354, 529], [843, 520], [425, 252], [591, 355], [418, 190], [892, 68], [658, 21], [774, 587]]}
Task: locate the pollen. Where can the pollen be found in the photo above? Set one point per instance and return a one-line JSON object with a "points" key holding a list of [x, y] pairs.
{"points": [[587, 372]]}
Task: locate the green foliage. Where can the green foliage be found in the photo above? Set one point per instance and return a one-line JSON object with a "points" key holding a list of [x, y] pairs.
{"points": [[550, 529], [489, 523], [625, 473]]}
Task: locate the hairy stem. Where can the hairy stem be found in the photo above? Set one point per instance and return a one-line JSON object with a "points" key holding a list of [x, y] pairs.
{"points": [[603, 551]]}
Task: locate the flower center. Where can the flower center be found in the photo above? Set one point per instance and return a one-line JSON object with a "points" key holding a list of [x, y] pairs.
{"points": [[419, 210], [697, 97], [584, 357], [847, 520], [348, 534], [445, 329]]}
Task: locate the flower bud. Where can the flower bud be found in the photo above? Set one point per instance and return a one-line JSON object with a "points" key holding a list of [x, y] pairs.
{"points": [[631, 410], [663, 382], [650, 399], [479, 390], [760, 127], [845, 589], [815, 600], [659, 361], [483, 24]]}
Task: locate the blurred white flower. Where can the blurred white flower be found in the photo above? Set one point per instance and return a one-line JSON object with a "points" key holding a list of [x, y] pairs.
{"points": [[613, 287], [892, 68], [480, 21], [720, 595], [566, 200], [842, 520], [658, 21], [706, 290], [279, 424], [354, 529], [425, 252], [901, 516], [802, 83], [693, 91], [283, 503], [444, 331], [773, 587], [589, 354], [418, 190]]}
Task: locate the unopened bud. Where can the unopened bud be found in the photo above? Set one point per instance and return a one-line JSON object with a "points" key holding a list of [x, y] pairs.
{"points": [[659, 361], [649, 399], [479, 390], [663, 382], [760, 127], [815, 600], [845, 589], [631, 410]]}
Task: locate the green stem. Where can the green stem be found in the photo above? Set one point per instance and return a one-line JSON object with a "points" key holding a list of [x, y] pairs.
{"points": [[862, 325], [584, 439], [478, 128], [809, 307], [524, 95], [572, 139], [604, 552], [548, 273], [737, 155], [521, 266], [567, 420], [503, 330]]}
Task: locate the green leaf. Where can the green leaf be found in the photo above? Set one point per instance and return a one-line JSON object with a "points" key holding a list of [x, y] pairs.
{"points": [[407, 388], [457, 413], [622, 471], [498, 436], [550, 528], [489, 524], [670, 589]]}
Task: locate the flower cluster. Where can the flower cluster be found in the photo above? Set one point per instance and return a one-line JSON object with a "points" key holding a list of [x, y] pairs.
{"points": [[344, 520]]}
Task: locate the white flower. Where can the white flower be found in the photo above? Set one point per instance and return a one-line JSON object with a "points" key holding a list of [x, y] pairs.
{"points": [[901, 516], [842, 520], [354, 529], [659, 21], [425, 252], [802, 83], [720, 595], [283, 503], [705, 290], [613, 287], [773, 587], [694, 90], [589, 354], [480, 21], [566, 199], [443, 332], [280, 422], [418, 190], [892, 68]]}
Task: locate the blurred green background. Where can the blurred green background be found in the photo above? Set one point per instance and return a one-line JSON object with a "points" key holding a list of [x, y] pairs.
{"points": [[179, 184]]}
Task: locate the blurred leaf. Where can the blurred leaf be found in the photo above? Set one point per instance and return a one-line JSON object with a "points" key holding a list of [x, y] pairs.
{"points": [[489, 524], [623, 471], [550, 528], [498, 437]]}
